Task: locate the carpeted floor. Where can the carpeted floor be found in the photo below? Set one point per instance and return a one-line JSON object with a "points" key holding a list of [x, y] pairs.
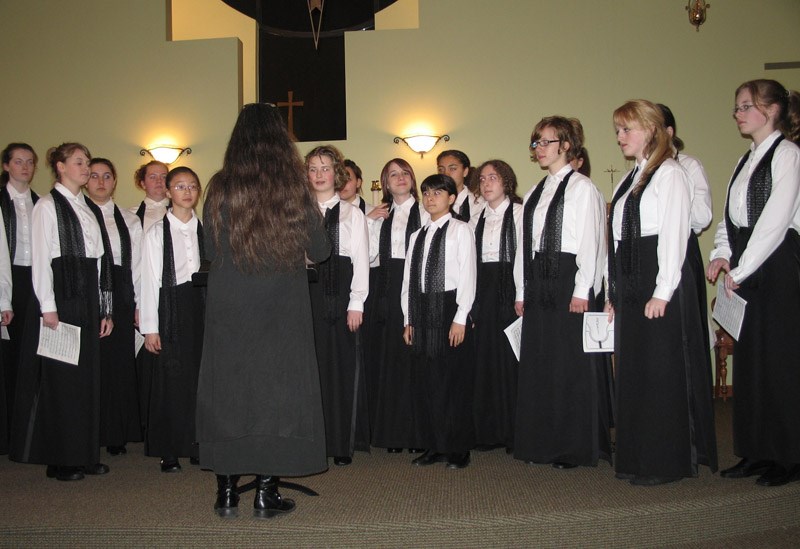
{"points": [[382, 501]]}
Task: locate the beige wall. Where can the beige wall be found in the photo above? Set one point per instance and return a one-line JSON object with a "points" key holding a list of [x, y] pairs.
{"points": [[101, 72]]}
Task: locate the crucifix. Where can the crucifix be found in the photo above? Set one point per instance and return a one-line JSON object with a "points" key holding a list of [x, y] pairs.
{"points": [[290, 119], [611, 170]]}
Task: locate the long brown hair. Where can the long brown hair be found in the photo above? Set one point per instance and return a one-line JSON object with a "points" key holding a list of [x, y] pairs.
{"points": [[261, 194], [403, 165], [658, 148], [770, 92]]}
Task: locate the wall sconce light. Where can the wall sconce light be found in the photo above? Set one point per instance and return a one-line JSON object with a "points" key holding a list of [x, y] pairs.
{"points": [[697, 12], [422, 143], [166, 154]]}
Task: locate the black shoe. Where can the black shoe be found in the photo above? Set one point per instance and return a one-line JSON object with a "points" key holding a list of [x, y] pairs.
{"points": [[457, 461], [746, 468], [429, 458], [227, 504], [194, 460], [563, 465], [64, 473], [487, 447], [96, 469], [116, 450], [170, 465], [416, 450], [641, 480], [342, 460], [394, 450], [268, 502], [778, 475]]}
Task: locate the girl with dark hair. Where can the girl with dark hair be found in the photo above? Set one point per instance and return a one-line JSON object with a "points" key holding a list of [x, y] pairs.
{"points": [[455, 164], [658, 336], [171, 321], [259, 408], [16, 207], [351, 192], [758, 247], [498, 231], [151, 178], [436, 297], [57, 411], [562, 402], [122, 239], [337, 301], [388, 359]]}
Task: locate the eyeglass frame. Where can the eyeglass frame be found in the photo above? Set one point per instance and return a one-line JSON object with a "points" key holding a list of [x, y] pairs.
{"points": [[543, 143]]}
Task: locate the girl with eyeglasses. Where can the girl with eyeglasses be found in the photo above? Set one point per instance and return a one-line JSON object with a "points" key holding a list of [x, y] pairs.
{"points": [[562, 399], [171, 319], [665, 421], [498, 231], [757, 251], [122, 239]]}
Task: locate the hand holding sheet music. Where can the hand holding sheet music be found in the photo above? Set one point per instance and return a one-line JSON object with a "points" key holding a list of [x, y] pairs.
{"points": [[63, 343], [729, 311]]}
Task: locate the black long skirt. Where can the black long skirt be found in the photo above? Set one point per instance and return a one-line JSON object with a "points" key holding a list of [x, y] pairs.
{"points": [[22, 289], [665, 419], [562, 410], [57, 410], [443, 397], [371, 343], [496, 366], [394, 424], [172, 396], [339, 354], [119, 391], [766, 408]]}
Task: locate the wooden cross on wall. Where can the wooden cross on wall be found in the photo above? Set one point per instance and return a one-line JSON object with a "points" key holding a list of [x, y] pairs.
{"points": [[290, 119]]}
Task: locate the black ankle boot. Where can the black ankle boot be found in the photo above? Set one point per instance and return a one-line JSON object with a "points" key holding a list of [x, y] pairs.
{"points": [[268, 502], [227, 502]]}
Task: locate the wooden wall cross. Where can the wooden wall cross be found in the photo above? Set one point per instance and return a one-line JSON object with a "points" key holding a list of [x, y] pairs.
{"points": [[290, 119]]}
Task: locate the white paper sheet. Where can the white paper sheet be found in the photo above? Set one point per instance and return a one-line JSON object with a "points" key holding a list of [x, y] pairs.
{"points": [[729, 311], [138, 341], [514, 335], [598, 333], [4, 333], [63, 343]]}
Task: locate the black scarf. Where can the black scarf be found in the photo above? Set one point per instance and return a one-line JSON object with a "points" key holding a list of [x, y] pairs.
{"points": [[362, 205], [329, 270], [463, 210], [550, 241], [10, 219], [508, 249], [73, 249], [385, 253], [759, 189], [168, 313], [426, 312], [140, 212]]}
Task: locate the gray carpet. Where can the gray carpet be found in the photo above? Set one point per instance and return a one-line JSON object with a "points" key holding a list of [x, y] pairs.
{"points": [[382, 501]]}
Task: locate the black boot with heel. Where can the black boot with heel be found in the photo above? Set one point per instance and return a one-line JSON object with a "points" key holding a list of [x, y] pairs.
{"points": [[268, 502], [227, 504]]}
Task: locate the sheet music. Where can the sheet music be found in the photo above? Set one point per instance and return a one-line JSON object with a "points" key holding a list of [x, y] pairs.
{"points": [[729, 311], [514, 334], [63, 343], [4, 333], [138, 341], [598, 333]]}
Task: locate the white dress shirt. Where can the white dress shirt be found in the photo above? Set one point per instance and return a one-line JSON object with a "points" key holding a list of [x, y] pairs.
{"points": [[23, 207], [781, 212], [353, 243], [135, 231], [583, 230], [402, 212], [47, 244], [6, 285], [475, 203], [702, 207], [357, 200], [460, 269], [665, 210], [493, 229], [153, 212], [186, 254]]}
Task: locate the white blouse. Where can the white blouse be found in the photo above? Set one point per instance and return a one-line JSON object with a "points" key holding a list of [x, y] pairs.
{"points": [[153, 212], [135, 230], [186, 254], [475, 203], [47, 245], [665, 210], [583, 231], [781, 212], [6, 285], [23, 207], [460, 267], [702, 207], [402, 212], [353, 243], [493, 228]]}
